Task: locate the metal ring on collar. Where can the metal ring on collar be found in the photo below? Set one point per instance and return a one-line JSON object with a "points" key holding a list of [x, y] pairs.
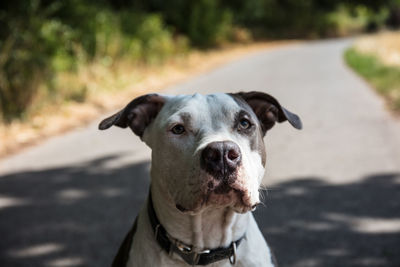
{"points": [[232, 258], [182, 247]]}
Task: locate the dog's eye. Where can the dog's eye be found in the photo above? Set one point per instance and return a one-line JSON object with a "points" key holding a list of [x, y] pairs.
{"points": [[178, 129], [244, 124]]}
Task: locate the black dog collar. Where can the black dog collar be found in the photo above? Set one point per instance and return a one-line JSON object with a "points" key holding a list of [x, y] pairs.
{"points": [[186, 252]]}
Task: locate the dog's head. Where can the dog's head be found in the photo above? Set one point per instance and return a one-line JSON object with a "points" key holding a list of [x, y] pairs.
{"points": [[207, 151]]}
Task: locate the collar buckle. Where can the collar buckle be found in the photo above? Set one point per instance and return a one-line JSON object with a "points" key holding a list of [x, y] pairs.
{"points": [[187, 252]]}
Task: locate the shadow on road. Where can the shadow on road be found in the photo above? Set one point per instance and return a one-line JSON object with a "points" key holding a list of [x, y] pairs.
{"points": [[311, 223], [77, 216]]}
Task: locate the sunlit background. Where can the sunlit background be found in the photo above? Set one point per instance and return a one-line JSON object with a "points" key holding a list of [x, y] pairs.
{"points": [[68, 193]]}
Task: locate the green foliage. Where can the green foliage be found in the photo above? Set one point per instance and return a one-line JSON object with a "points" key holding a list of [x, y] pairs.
{"points": [[205, 22], [310, 18], [39, 39], [386, 79], [148, 40], [43, 38], [24, 59], [208, 24]]}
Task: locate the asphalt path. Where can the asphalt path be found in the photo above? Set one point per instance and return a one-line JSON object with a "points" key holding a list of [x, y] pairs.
{"points": [[333, 194]]}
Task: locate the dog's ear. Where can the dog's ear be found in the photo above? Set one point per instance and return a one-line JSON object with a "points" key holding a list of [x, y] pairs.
{"points": [[138, 114], [268, 110]]}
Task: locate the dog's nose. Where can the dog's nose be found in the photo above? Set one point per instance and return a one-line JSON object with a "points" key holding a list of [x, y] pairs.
{"points": [[221, 158]]}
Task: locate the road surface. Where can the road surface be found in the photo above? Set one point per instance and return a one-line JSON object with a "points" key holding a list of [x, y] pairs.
{"points": [[333, 194]]}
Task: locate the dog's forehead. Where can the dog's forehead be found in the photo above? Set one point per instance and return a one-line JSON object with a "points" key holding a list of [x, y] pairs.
{"points": [[197, 105]]}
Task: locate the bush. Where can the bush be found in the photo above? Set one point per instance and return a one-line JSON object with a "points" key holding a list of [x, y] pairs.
{"points": [[308, 18], [148, 39], [205, 22], [208, 24], [24, 59], [43, 39], [344, 21]]}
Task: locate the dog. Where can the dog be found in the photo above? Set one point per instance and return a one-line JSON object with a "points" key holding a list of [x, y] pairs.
{"points": [[208, 161]]}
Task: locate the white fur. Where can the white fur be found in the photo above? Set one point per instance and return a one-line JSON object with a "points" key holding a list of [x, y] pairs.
{"points": [[177, 178]]}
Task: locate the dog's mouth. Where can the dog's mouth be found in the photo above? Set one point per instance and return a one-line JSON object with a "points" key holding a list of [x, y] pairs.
{"points": [[235, 195], [222, 194]]}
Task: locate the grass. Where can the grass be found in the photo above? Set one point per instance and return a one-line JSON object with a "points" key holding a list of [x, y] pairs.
{"points": [[384, 78]]}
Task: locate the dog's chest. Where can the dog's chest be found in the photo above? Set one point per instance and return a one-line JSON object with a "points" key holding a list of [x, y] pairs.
{"points": [[145, 252]]}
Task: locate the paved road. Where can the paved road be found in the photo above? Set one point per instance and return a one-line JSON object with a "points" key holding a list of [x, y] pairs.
{"points": [[334, 188]]}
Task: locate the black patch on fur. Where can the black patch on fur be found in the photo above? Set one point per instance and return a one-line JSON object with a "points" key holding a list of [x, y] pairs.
{"points": [[138, 114], [255, 135], [268, 110]]}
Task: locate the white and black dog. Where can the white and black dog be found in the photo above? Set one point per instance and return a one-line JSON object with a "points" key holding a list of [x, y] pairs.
{"points": [[208, 160]]}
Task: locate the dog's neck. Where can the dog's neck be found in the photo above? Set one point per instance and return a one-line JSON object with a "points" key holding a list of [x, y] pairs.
{"points": [[209, 229]]}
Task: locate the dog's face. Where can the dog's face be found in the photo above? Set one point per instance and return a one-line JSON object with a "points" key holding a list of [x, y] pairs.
{"points": [[207, 151]]}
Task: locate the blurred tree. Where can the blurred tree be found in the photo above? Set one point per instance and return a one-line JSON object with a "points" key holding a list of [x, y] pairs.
{"points": [[41, 37], [24, 55], [393, 20]]}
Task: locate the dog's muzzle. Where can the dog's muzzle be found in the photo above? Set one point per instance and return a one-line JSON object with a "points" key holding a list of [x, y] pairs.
{"points": [[221, 163]]}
